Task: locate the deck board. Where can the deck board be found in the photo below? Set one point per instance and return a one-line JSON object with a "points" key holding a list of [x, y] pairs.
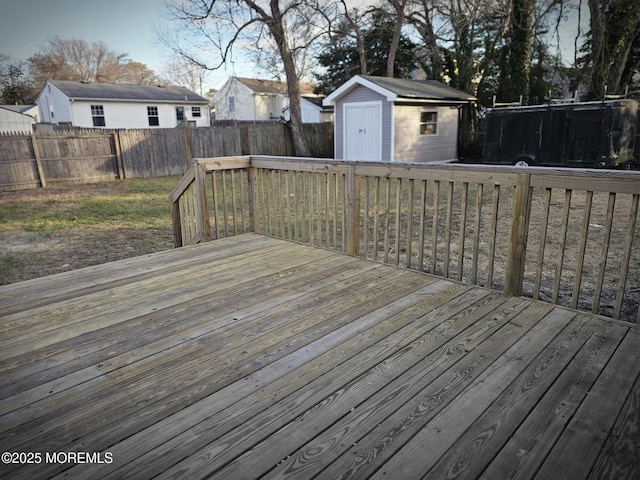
{"points": [[251, 357]]}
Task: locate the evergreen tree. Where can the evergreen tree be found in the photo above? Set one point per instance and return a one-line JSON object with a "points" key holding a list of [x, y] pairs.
{"points": [[341, 60]]}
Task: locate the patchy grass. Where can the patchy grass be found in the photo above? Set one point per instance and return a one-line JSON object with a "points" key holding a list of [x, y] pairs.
{"points": [[54, 229]]}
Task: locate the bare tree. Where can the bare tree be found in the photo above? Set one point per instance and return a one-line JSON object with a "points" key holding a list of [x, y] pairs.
{"points": [[186, 74], [228, 24], [302, 31], [76, 59], [615, 26], [422, 17]]}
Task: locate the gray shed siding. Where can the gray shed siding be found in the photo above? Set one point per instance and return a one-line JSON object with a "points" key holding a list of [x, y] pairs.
{"points": [[410, 146], [363, 94]]}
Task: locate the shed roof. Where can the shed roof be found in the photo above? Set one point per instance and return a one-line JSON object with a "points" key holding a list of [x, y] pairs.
{"points": [[404, 89], [127, 92], [258, 85]]}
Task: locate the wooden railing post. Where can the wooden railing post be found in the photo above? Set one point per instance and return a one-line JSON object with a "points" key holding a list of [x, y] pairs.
{"points": [[521, 212], [253, 199], [202, 209], [353, 212], [176, 222]]}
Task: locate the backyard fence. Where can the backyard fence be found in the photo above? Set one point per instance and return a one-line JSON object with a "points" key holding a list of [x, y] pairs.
{"points": [[93, 155], [569, 237]]}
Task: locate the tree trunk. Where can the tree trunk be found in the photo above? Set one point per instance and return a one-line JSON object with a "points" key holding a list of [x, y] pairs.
{"points": [[276, 27], [520, 52], [398, 6], [614, 27], [361, 51], [353, 22], [421, 20], [598, 76]]}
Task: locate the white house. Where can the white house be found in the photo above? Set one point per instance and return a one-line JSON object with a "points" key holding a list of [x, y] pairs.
{"points": [[17, 118], [88, 104], [251, 99], [392, 119], [312, 110]]}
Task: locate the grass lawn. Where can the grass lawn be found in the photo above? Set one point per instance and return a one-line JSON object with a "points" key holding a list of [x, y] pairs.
{"points": [[54, 229]]}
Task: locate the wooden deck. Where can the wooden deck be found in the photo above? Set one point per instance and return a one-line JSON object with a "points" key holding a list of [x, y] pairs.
{"points": [[251, 357]]}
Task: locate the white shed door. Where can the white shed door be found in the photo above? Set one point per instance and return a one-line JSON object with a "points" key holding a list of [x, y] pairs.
{"points": [[362, 140]]}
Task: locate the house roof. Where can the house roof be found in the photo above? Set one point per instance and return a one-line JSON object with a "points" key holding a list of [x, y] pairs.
{"points": [[317, 101], [273, 87], [399, 89], [126, 92], [18, 108]]}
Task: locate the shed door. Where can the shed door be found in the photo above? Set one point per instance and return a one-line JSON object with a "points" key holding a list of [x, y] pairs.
{"points": [[362, 140]]}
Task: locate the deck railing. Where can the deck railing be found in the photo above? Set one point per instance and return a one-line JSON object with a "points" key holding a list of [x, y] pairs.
{"points": [[565, 236]]}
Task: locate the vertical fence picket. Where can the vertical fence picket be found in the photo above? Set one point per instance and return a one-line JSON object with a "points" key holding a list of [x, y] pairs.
{"points": [[628, 242], [561, 246], [434, 227], [387, 213], [604, 253], [409, 224], [336, 200], [447, 229], [463, 225], [494, 234], [215, 195], [575, 296], [423, 214], [541, 247], [476, 234]]}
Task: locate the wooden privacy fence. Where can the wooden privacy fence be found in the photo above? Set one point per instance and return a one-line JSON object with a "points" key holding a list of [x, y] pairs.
{"points": [[563, 236], [93, 155]]}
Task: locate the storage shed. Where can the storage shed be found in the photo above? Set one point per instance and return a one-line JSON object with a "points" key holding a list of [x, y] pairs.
{"points": [[392, 119]]}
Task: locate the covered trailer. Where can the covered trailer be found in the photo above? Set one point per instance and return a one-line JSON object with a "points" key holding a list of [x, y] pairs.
{"points": [[588, 134]]}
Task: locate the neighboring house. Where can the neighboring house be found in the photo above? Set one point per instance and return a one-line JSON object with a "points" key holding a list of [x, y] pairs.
{"points": [[251, 99], [88, 104], [313, 111], [17, 118], [391, 119]]}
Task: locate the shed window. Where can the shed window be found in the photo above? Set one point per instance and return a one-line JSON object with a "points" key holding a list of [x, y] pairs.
{"points": [[232, 104], [154, 119], [428, 123], [97, 112], [195, 112]]}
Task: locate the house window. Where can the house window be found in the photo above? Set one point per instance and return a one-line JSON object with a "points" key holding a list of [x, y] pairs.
{"points": [[154, 119], [180, 114], [195, 112], [97, 112], [428, 123], [232, 104]]}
